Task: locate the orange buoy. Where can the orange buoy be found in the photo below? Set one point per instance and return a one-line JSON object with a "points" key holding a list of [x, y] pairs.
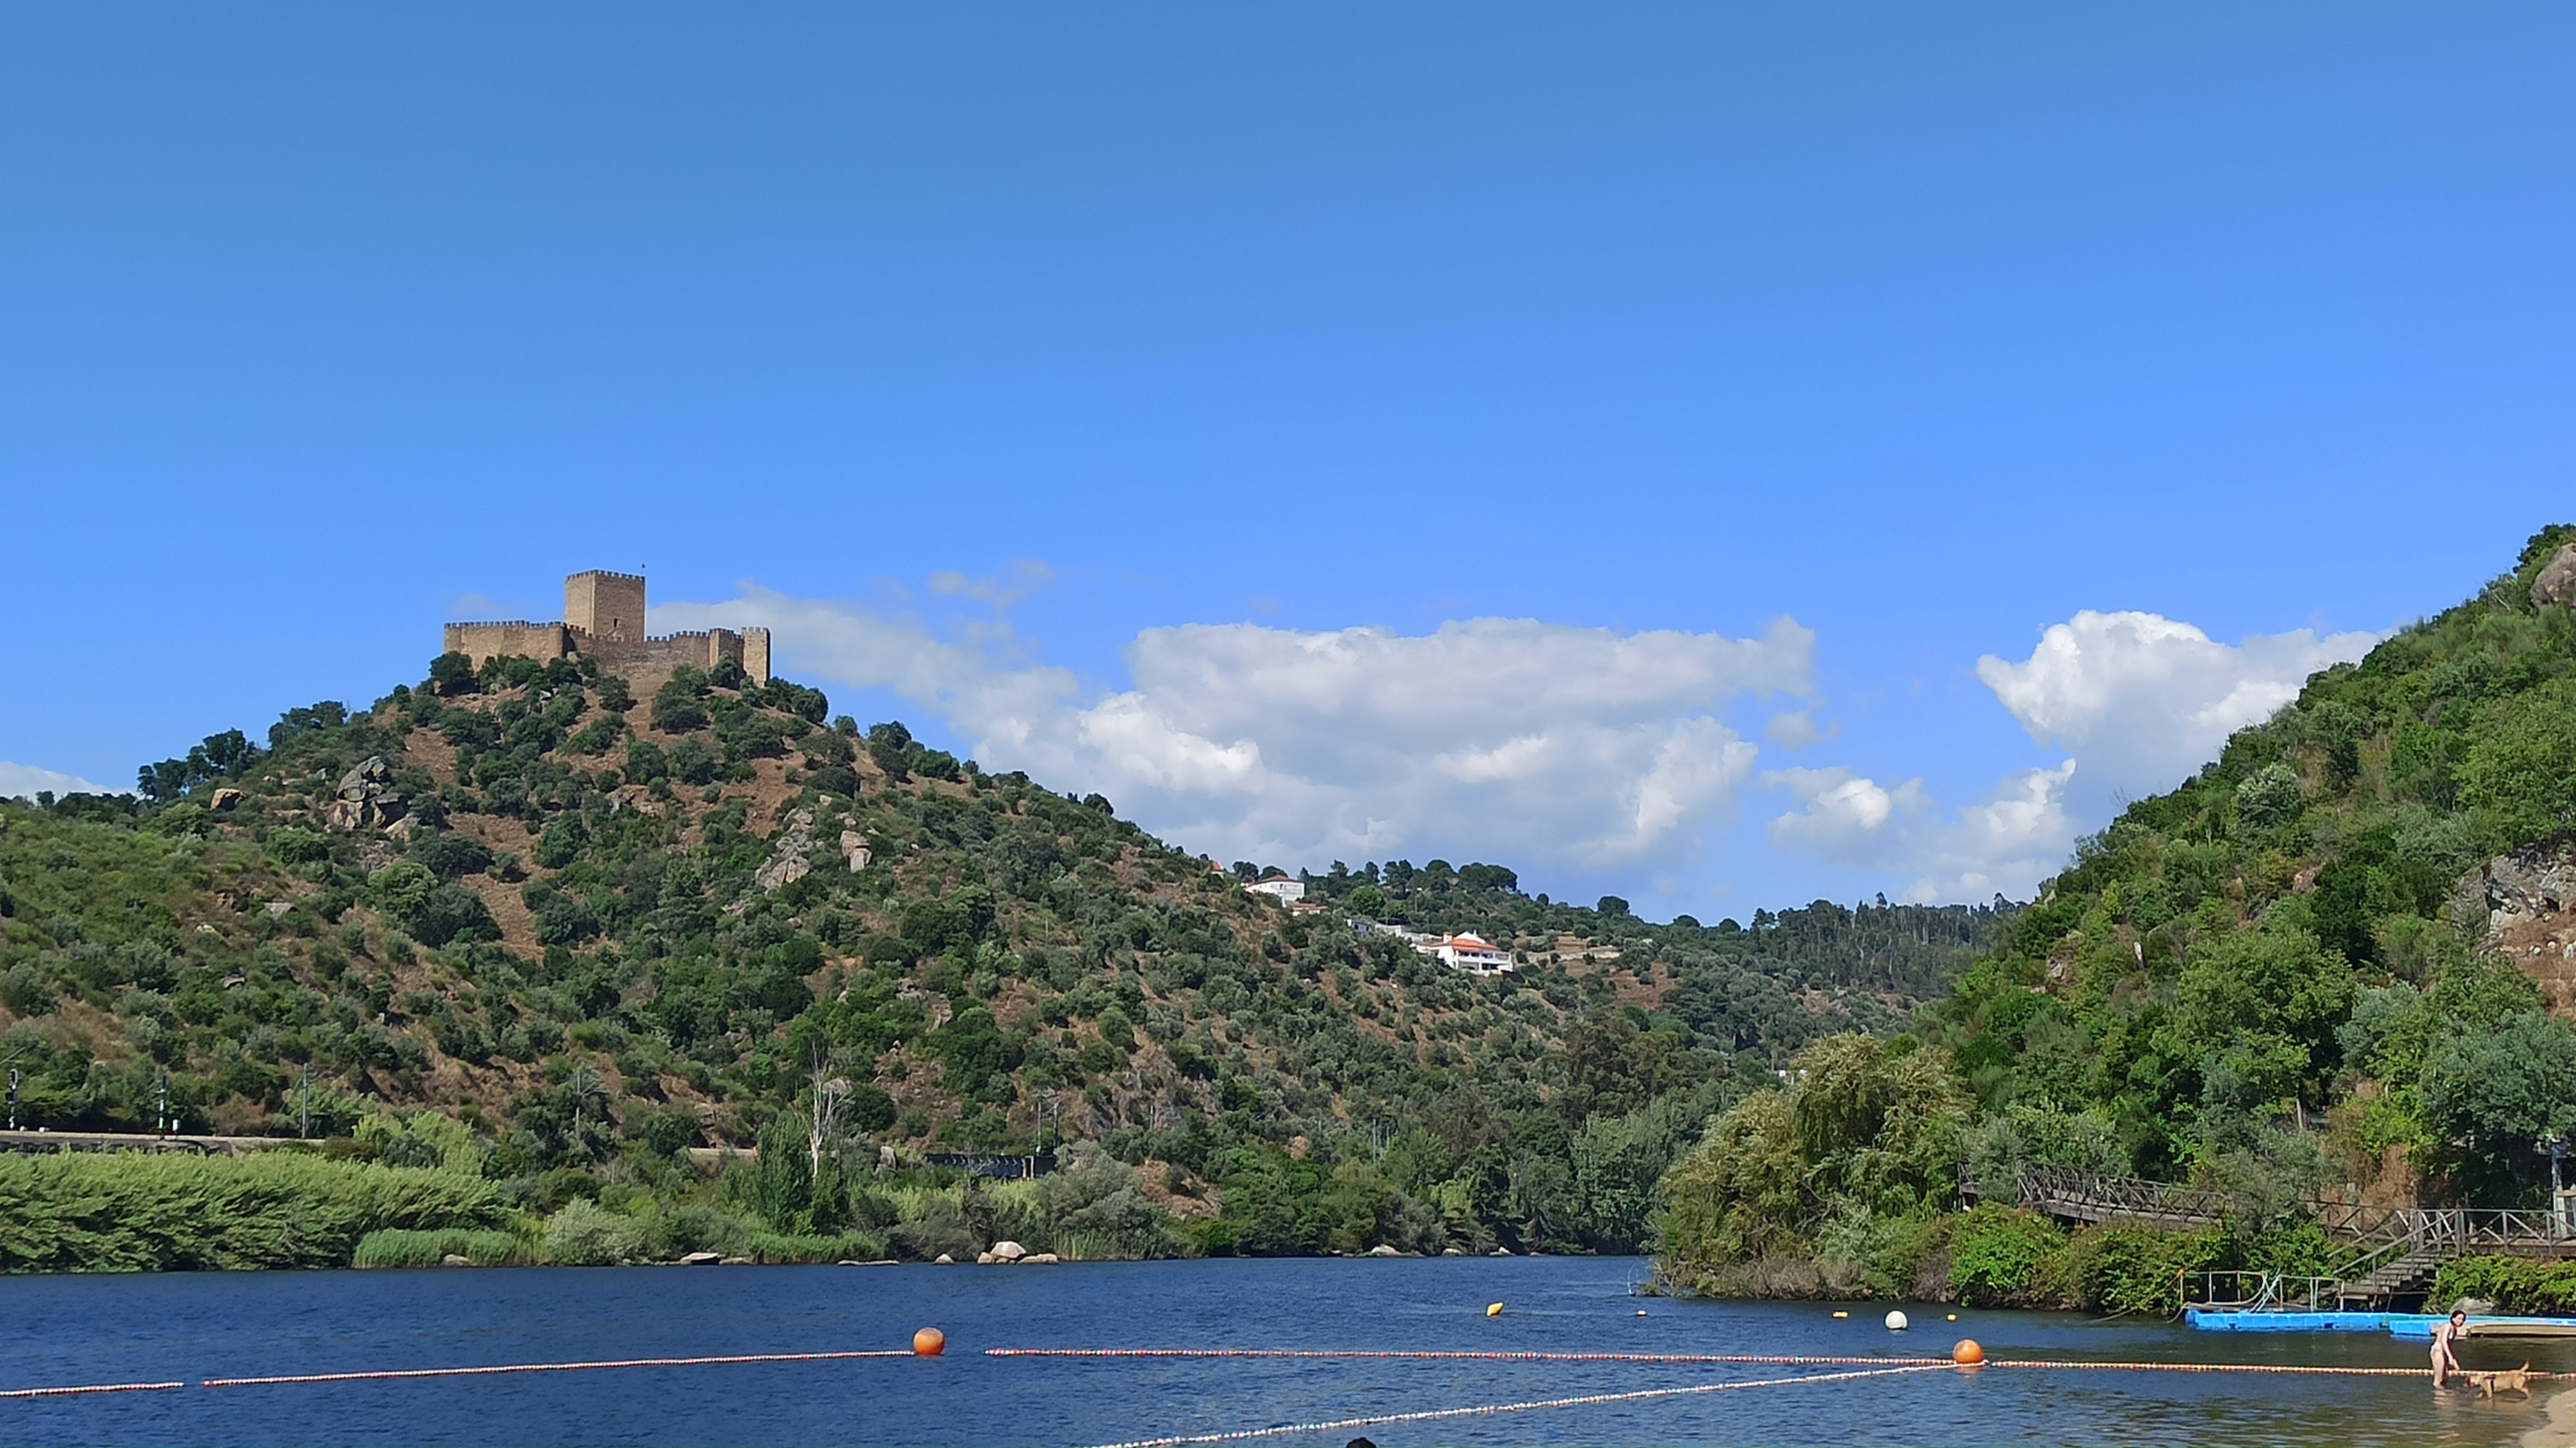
{"points": [[1967, 1354], [929, 1342]]}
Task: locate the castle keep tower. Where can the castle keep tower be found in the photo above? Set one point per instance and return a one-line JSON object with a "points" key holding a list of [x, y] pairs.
{"points": [[606, 606], [604, 620]]}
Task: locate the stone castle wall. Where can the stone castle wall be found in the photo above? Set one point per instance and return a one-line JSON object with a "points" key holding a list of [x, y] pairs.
{"points": [[604, 620], [513, 638]]}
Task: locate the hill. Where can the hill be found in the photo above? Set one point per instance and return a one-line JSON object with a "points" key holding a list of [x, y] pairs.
{"points": [[521, 923], [2338, 961]]}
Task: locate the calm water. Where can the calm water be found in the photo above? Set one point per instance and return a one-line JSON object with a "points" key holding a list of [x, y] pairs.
{"points": [[193, 1326]]}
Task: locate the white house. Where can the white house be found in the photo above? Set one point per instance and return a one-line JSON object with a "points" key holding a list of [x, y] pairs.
{"points": [[1467, 952], [1279, 888]]}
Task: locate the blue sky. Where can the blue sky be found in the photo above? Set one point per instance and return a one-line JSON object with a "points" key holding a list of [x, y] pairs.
{"points": [[1606, 440]]}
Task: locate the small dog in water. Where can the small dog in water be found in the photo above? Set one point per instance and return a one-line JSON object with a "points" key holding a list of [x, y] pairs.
{"points": [[2490, 1384]]}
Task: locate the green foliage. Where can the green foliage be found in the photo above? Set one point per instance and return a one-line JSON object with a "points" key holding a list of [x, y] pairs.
{"points": [[2003, 1256], [2514, 1284], [1861, 1129], [129, 1212], [2126, 1267]]}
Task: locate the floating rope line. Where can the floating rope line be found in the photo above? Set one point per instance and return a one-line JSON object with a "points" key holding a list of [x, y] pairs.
{"points": [[1693, 1358], [672, 1362], [92, 1388], [1338, 1425], [1764, 1359]]}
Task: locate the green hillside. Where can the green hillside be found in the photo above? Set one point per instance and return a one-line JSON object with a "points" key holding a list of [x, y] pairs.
{"points": [[2339, 960], [522, 925]]}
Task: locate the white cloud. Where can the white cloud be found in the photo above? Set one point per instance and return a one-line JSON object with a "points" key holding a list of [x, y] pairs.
{"points": [[25, 781], [1843, 816], [2145, 700], [2007, 844], [1496, 738]]}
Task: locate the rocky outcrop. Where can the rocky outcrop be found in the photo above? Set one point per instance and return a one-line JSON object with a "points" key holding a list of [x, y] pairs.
{"points": [[367, 799], [637, 797], [855, 846], [2557, 581], [787, 862], [2527, 902]]}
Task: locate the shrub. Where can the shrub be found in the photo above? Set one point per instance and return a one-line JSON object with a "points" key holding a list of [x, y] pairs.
{"points": [[585, 1234], [2003, 1254], [2126, 1267], [131, 1212]]}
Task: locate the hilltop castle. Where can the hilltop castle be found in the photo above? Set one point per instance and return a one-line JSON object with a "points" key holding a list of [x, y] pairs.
{"points": [[604, 620]]}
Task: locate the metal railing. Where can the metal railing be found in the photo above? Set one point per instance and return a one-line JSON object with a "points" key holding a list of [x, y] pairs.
{"points": [[2250, 1291]]}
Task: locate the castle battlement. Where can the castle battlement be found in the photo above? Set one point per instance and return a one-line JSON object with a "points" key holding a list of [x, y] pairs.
{"points": [[604, 620]]}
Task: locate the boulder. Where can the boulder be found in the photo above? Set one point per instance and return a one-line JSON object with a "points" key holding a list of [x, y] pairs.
{"points": [[1040, 1259], [1451, 1252], [985, 1259], [454, 1260], [943, 1260], [224, 799], [1383, 1250], [367, 798], [787, 863], [701, 1259], [855, 846], [1007, 1250], [2515, 889], [2557, 580]]}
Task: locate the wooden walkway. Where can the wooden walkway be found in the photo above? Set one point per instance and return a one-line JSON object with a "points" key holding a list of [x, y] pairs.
{"points": [[2393, 1251]]}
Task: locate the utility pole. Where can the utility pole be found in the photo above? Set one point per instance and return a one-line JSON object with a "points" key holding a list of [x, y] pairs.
{"points": [[161, 1106], [304, 1105]]}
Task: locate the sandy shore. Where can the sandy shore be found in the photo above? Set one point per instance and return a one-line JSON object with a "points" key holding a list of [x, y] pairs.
{"points": [[2558, 1425]]}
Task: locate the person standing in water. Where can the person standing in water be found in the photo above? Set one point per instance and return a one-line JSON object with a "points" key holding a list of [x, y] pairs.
{"points": [[2446, 1357]]}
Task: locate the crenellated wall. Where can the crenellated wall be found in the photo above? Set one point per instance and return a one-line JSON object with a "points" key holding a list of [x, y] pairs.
{"points": [[604, 620], [510, 638]]}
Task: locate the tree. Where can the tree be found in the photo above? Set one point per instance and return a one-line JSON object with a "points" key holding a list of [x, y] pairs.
{"points": [[2261, 1006], [452, 674], [2499, 1090]]}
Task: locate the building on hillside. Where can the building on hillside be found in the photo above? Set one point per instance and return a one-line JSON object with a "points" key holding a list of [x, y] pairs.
{"points": [[1470, 953], [604, 620], [1279, 888]]}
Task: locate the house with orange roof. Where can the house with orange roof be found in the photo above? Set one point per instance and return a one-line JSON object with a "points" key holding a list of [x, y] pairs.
{"points": [[1469, 952]]}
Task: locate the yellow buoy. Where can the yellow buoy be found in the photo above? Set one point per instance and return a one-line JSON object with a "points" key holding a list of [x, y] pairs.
{"points": [[929, 1342], [1954, 1317], [1493, 1309], [1841, 1314], [1641, 1312]]}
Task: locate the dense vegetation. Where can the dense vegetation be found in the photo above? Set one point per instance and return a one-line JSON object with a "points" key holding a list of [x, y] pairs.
{"points": [[522, 927], [2323, 966]]}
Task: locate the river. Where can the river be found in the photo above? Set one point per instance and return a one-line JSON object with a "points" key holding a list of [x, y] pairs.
{"points": [[194, 1326]]}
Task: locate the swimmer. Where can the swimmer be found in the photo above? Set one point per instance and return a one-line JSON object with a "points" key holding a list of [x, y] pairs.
{"points": [[2446, 1357]]}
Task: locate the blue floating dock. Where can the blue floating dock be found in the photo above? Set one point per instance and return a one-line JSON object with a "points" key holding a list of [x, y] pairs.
{"points": [[2214, 1320], [2412, 1326]]}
